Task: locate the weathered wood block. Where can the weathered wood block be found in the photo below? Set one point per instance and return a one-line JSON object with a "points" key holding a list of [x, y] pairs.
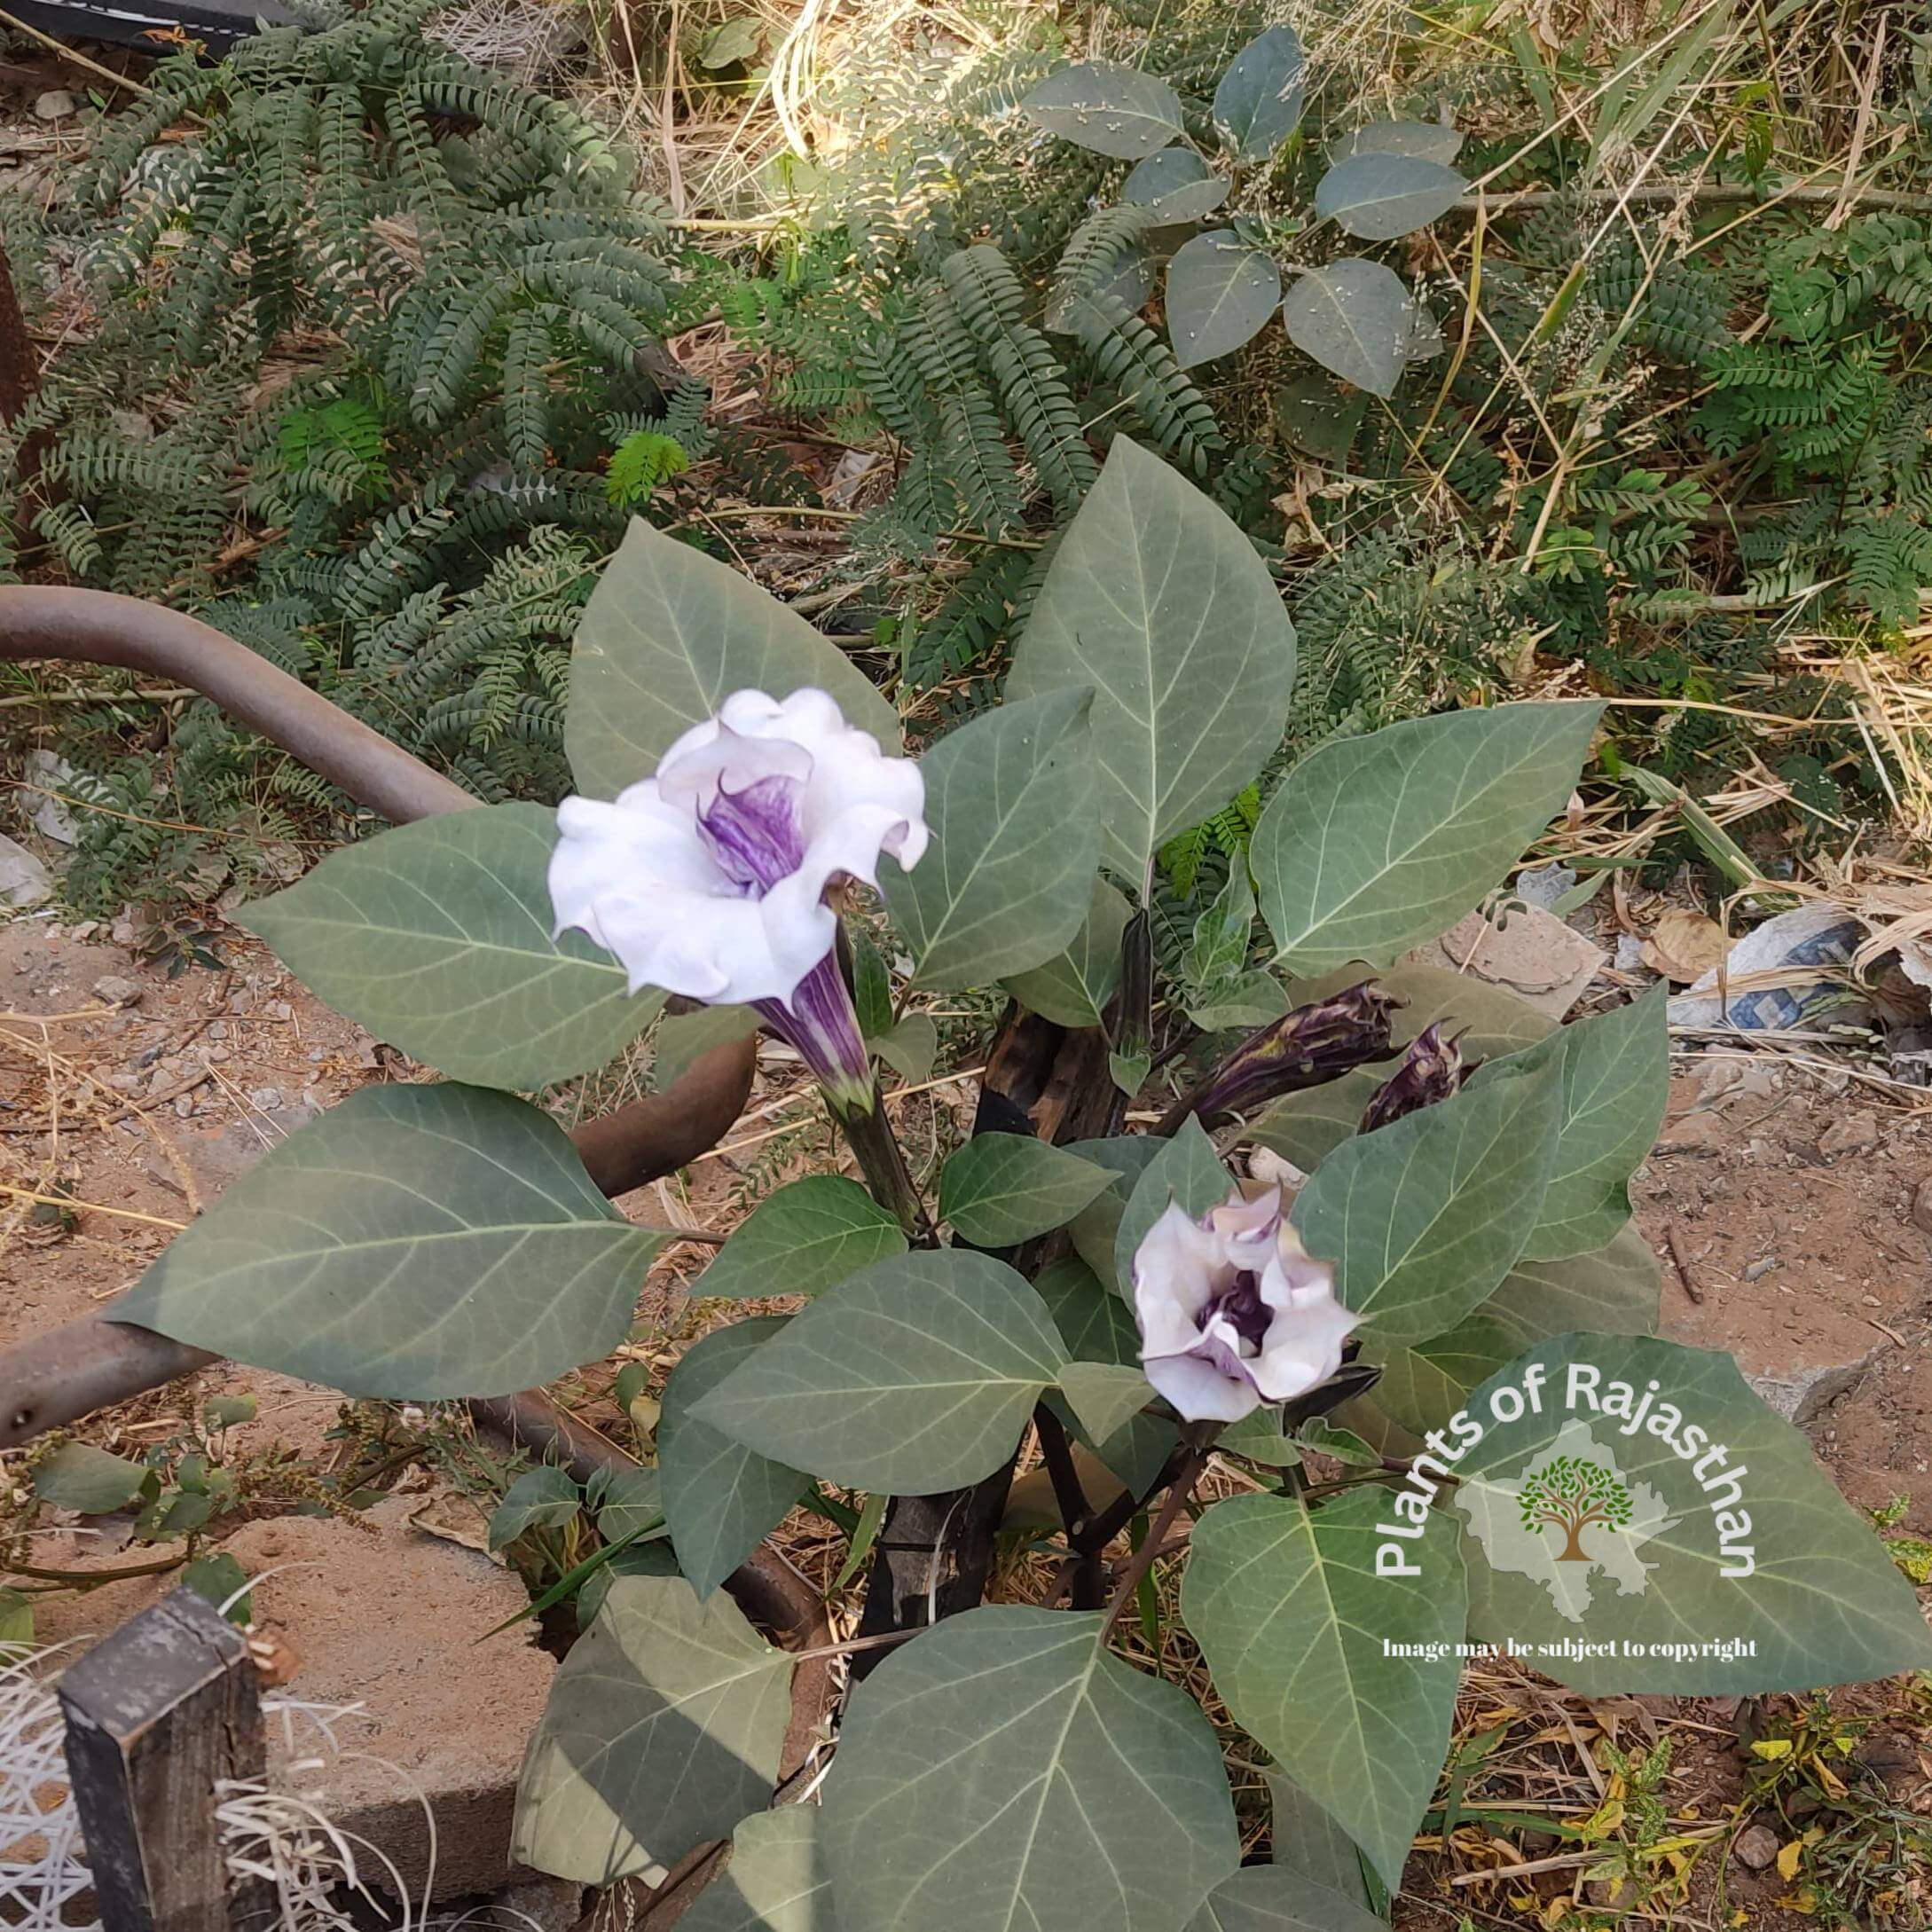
{"points": [[157, 1714]]}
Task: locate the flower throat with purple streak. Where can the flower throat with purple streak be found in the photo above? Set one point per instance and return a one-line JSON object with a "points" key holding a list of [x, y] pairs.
{"points": [[757, 839]]}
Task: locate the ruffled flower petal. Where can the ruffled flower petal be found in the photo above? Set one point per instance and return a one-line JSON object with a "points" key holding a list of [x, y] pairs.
{"points": [[1232, 1310], [1199, 1391], [709, 879]]}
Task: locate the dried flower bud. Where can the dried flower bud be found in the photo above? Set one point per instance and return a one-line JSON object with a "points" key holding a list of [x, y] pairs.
{"points": [[1432, 1070], [1307, 1047]]}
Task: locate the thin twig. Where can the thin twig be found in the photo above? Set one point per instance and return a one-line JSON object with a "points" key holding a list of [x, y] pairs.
{"points": [[1178, 1492]]}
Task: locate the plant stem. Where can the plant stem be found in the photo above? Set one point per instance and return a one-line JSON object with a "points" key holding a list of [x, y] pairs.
{"points": [[869, 1133], [91, 1579], [1151, 1546]]}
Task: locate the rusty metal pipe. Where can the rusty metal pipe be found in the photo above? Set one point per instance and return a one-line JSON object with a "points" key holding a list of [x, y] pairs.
{"points": [[57, 1377], [96, 627]]}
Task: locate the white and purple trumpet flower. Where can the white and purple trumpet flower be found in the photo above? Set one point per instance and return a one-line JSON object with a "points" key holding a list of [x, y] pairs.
{"points": [[1233, 1312], [710, 879]]}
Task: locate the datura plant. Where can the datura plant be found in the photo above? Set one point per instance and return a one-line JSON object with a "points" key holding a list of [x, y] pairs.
{"points": [[1354, 1338]]}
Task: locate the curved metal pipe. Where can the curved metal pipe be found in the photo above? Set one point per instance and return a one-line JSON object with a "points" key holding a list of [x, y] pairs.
{"points": [[96, 627], [56, 1377]]}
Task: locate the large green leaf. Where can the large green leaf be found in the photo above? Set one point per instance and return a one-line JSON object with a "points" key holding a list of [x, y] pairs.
{"points": [[1095, 1229], [776, 1881], [1258, 104], [1003, 886], [1813, 1598], [1072, 990], [1095, 1324], [1295, 1623], [668, 635], [1613, 1291], [1357, 319], [1221, 293], [1157, 602], [415, 1241], [1105, 1395], [663, 1730], [437, 936], [1272, 1898], [1000, 1190], [1303, 1837], [1379, 195], [720, 1499], [83, 1477], [1428, 140], [804, 1238], [915, 1375], [1376, 844], [1617, 1078], [1176, 186], [1186, 1171], [1307, 1128], [1425, 1383], [1004, 1772], [1424, 1218], [1106, 107]]}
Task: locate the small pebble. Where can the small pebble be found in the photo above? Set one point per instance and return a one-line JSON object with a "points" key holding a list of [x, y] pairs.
{"points": [[1757, 1846], [269, 1099], [1756, 1270], [116, 990], [55, 104], [277, 1010]]}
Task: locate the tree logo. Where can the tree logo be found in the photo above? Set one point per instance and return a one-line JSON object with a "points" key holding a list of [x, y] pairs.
{"points": [[1572, 1494]]}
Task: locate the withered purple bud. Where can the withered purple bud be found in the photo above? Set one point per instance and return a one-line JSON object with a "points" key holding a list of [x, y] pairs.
{"points": [[1432, 1070], [1307, 1047]]}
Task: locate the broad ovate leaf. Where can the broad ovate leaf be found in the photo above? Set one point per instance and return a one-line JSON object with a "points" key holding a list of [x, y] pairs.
{"points": [[1005, 1773], [1185, 1172], [663, 1730], [776, 1881], [437, 938], [1106, 107], [1176, 186], [1220, 293], [414, 1242], [804, 1238], [1617, 1078], [1424, 1383], [669, 633], [88, 1480], [1000, 1190], [1378, 196], [1105, 1395], [1356, 318], [913, 1376], [1273, 1898], [1424, 1218], [1297, 1622], [1072, 989], [720, 1499], [1003, 886], [1423, 140], [1376, 844], [1158, 603], [1733, 1567], [1613, 1291], [1258, 104], [545, 1497]]}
